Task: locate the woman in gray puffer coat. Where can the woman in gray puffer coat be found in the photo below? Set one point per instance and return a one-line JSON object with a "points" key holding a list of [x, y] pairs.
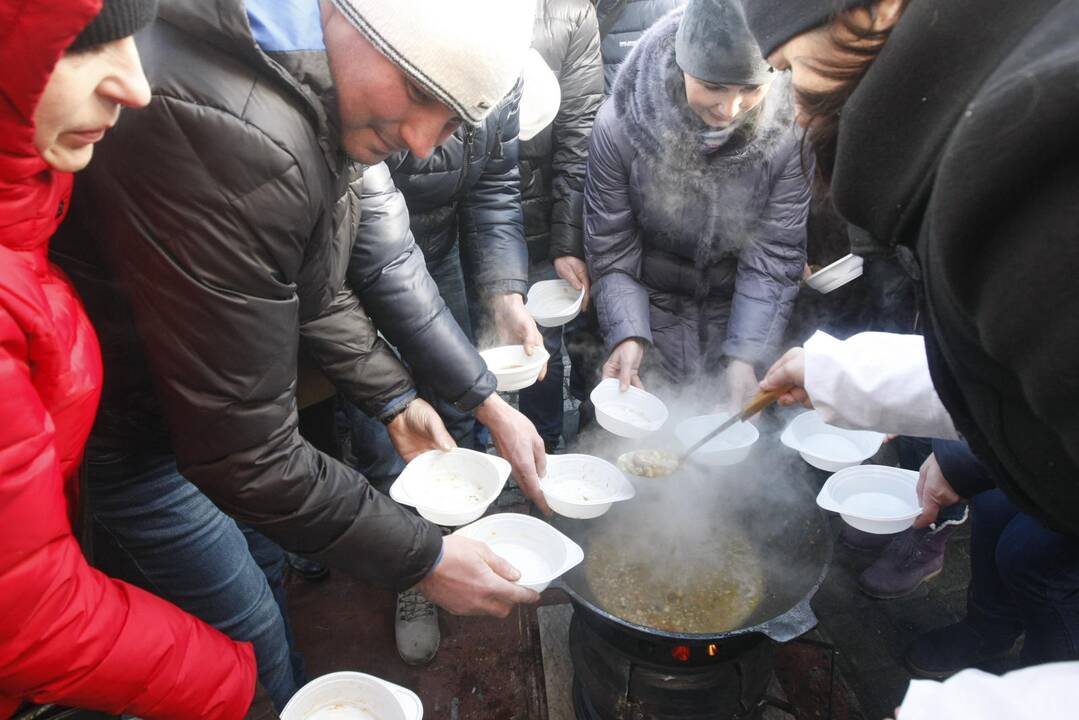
{"points": [[695, 203]]}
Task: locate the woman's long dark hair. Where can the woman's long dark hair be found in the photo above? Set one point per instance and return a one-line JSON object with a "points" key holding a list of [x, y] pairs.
{"points": [[860, 48]]}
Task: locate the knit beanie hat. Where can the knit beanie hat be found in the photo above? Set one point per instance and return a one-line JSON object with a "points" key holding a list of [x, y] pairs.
{"points": [[714, 44], [117, 19], [774, 22], [468, 53]]}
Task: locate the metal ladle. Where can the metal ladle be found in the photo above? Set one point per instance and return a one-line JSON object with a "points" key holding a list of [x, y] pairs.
{"points": [[759, 402]]}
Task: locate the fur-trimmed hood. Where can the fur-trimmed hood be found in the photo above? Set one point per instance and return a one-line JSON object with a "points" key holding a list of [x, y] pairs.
{"points": [[650, 96]]}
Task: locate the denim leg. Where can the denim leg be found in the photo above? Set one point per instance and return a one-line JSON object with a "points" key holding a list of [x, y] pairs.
{"points": [[193, 555], [989, 595], [586, 353], [1041, 571], [271, 559], [450, 279], [542, 403]]}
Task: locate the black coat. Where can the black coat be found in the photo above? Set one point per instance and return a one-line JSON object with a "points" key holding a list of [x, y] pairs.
{"points": [[467, 194], [553, 162], [243, 235], [635, 17], [960, 150]]}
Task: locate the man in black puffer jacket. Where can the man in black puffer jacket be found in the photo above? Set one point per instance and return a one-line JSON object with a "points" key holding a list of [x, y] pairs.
{"points": [[229, 215], [553, 163], [464, 204]]}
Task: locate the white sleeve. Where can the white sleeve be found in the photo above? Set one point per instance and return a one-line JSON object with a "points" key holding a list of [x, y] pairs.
{"points": [[1034, 693], [875, 381]]}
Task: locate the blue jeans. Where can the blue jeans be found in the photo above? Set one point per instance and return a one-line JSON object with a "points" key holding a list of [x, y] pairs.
{"points": [[168, 538], [1024, 578], [542, 403]]}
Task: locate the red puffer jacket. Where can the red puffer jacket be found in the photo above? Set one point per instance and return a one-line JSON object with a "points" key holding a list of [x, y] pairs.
{"points": [[69, 634]]}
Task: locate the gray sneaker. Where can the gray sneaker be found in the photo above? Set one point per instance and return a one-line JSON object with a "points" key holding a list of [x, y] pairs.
{"points": [[416, 628]]}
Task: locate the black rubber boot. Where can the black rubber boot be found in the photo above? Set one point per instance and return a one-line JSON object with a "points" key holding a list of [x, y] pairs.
{"points": [[945, 651]]}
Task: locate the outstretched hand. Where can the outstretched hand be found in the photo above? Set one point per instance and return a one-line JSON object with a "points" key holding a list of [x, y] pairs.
{"points": [[789, 371], [419, 429], [625, 364], [934, 492], [574, 271], [517, 441], [515, 326], [471, 580]]}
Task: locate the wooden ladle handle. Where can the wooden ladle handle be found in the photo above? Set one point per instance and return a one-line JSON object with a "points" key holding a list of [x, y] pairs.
{"points": [[762, 400]]}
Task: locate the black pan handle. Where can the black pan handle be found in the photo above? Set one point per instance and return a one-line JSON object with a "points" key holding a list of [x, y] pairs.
{"points": [[792, 624]]}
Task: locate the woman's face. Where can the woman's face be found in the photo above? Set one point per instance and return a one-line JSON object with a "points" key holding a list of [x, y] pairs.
{"points": [[718, 106], [82, 100], [801, 55], [804, 55]]}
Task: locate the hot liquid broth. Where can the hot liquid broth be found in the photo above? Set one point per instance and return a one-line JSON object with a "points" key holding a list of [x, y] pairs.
{"points": [[678, 587]]}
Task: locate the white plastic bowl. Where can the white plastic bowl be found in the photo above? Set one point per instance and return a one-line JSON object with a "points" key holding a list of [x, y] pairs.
{"points": [[873, 498], [583, 486], [554, 302], [540, 552], [352, 696], [836, 275], [828, 447], [451, 488], [729, 447], [631, 414], [513, 367]]}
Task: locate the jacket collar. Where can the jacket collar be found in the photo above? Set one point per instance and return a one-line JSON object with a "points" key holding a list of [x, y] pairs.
{"points": [[291, 49], [897, 122]]}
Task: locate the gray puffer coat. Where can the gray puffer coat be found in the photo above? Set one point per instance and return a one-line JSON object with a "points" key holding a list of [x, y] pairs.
{"points": [[633, 20], [553, 162], [698, 253], [468, 191]]}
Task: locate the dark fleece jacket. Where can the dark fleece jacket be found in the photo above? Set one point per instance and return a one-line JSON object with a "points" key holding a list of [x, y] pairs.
{"points": [[959, 150]]}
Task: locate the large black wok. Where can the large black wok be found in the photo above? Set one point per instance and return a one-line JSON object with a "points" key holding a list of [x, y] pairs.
{"points": [[768, 498]]}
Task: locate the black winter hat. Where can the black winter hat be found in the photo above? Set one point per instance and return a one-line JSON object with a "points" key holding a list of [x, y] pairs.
{"points": [[714, 44], [117, 19], [774, 22]]}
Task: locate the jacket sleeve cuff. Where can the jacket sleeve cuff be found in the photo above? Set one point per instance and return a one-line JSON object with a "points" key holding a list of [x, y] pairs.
{"points": [[566, 240], [480, 391], [622, 303], [961, 468], [431, 552], [395, 406], [507, 287]]}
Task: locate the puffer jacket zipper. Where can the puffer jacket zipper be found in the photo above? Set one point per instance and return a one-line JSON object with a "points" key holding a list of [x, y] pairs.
{"points": [[466, 159]]}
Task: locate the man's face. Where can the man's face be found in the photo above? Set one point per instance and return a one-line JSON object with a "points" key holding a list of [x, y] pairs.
{"points": [[382, 111]]}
